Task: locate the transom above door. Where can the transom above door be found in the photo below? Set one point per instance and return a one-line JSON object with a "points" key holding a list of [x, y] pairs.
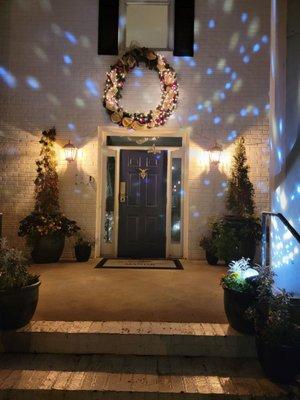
{"points": [[142, 204]]}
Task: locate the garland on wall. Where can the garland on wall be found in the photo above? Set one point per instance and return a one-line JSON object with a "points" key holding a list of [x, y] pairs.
{"points": [[115, 82]]}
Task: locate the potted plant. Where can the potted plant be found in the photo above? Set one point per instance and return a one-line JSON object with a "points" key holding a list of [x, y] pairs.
{"points": [[208, 246], [46, 227], [240, 203], [277, 335], [19, 290], [83, 248], [236, 234], [239, 294]]}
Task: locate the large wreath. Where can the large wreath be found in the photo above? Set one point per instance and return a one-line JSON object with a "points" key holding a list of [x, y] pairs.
{"points": [[115, 82]]}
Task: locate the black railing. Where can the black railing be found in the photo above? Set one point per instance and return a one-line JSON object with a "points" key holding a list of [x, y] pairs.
{"points": [[264, 217]]}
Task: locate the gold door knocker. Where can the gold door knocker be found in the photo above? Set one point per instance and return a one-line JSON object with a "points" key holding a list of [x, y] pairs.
{"points": [[143, 173]]}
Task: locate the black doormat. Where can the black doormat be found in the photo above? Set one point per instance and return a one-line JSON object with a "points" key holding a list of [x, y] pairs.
{"points": [[121, 263]]}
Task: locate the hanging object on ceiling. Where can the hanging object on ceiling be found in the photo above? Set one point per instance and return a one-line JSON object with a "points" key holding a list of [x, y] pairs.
{"points": [[115, 82]]}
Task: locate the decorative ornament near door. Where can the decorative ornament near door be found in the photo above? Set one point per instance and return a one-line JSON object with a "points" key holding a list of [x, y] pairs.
{"points": [[143, 173], [115, 82]]}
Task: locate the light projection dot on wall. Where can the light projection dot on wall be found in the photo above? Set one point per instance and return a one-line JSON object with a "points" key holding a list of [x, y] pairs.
{"points": [[122, 21], [234, 76], [196, 214], [192, 63], [193, 117], [228, 85], [200, 107], [196, 47], [206, 182], [256, 48], [33, 83], [242, 49], [138, 72], [71, 126], [92, 87], [265, 39], [209, 71], [211, 24], [222, 95], [79, 102], [7, 77], [227, 70], [243, 112], [70, 37], [67, 59], [246, 59], [244, 17], [217, 120], [231, 136], [224, 184], [255, 111]]}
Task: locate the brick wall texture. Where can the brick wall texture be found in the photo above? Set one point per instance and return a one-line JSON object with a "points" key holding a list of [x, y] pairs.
{"points": [[50, 74]]}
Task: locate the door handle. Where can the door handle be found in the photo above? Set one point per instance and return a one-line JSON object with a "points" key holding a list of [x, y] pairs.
{"points": [[122, 192]]}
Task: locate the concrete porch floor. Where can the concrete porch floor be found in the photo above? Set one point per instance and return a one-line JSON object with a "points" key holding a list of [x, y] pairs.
{"points": [[72, 291]]}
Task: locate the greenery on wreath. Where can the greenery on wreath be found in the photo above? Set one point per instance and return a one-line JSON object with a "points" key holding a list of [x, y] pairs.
{"points": [[13, 268], [231, 234], [115, 82], [46, 219]]}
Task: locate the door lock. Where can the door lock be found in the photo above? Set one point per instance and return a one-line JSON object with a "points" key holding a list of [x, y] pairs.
{"points": [[122, 192]]}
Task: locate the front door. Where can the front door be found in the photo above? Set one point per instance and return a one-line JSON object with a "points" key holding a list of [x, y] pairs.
{"points": [[142, 217]]}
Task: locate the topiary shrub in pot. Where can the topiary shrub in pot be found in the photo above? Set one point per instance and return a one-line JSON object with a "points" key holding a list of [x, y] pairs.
{"points": [[239, 295], [19, 290], [83, 248], [46, 227], [240, 204], [277, 335]]}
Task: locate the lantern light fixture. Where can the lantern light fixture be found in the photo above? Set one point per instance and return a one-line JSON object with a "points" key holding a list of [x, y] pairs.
{"points": [[70, 152], [215, 154]]}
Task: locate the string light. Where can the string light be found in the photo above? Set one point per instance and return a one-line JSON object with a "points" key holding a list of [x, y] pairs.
{"points": [[115, 80]]}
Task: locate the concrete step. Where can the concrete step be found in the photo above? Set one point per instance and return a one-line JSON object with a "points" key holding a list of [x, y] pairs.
{"points": [[134, 338], [96, 377]]}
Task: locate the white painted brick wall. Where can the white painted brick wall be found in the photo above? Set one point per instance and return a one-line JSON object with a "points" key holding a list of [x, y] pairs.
{"points": [[33, 45]]}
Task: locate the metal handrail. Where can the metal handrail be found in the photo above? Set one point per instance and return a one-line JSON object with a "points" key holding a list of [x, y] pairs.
{"points": [[282, 218]]}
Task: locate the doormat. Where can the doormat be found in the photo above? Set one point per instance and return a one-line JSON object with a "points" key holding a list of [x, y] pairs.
{"points": [[139, 264]]}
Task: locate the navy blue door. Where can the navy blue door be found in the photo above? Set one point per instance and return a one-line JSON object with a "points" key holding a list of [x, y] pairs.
{"points": [[142, 216]]}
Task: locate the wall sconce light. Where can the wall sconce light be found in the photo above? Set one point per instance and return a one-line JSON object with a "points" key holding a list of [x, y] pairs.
{"points": [[70, 152], [215, 154]]}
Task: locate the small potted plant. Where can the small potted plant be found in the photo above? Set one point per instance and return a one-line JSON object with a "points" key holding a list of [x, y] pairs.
{"points": [[207, 245], [277, 335], [239, 295], [46, 227], [83, 248], [19, 290]]}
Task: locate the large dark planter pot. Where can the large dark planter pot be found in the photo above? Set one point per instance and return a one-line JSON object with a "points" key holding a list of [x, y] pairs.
{"points": [[48, 249], [211, 258], [279, 363], [17, 306], [235, 304], [83, 252]]}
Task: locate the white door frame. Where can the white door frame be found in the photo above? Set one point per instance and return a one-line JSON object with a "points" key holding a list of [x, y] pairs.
{"points": [[104, 151]]}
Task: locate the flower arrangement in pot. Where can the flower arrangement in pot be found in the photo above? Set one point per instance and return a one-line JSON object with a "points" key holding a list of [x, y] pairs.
{"points": [[83, 248], [239, 294], [19, 290], [46, 227], [277, 335]]}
